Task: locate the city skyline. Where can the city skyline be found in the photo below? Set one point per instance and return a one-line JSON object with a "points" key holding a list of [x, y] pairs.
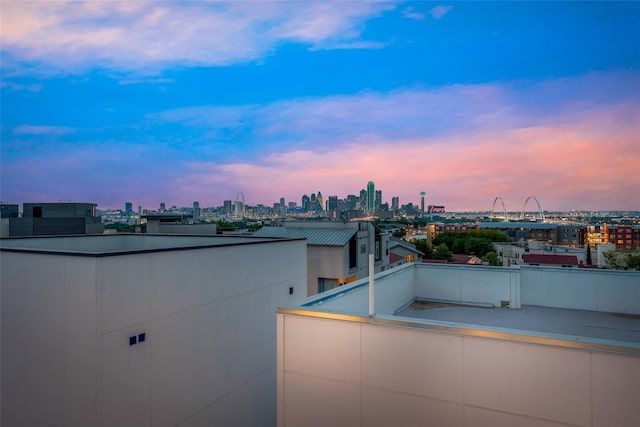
{"points": [[171, 102]]}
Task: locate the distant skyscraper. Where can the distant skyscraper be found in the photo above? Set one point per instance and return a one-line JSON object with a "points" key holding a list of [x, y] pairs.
{"points": [[395, 203], [163, 206], [332, 203], [319, 202], [371, 196], [227, 207], [378, 202], [352, 199], [363, 199], [196, 210], [128, 208], [422, 194], [306, 203], [312, 202], [283, 206]]}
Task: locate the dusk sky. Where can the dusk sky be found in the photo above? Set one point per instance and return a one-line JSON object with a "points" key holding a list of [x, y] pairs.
{"points": [[147, 102]]}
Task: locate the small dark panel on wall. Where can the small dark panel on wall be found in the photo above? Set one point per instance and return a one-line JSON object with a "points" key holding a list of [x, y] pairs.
{"points": [[142, 337], [133, 340], [291, 290]]}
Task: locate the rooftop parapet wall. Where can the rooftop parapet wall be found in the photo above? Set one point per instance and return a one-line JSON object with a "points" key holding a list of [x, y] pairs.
{"points": [[120, 243], [468, 284], [596, 290], [394, 288]]}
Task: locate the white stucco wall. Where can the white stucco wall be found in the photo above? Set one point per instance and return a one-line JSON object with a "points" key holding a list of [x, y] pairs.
{"points": [[209, 318], [377, 375], [478, 284], [589, 289]]}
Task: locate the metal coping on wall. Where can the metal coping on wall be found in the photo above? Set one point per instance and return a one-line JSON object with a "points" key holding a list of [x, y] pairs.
{"points": [[250, 241], [554, 341]]}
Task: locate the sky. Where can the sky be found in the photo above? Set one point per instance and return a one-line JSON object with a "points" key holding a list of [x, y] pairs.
{"points": [[148, 102]]}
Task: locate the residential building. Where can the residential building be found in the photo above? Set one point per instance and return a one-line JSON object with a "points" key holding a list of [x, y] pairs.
{"points": [[401, 252], [143, 330], [337, 251], [550, 260], [625, 237], [46, 219], [448, 345]]}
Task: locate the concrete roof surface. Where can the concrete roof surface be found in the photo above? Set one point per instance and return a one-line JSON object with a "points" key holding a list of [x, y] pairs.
{"points": [[580, 323]]}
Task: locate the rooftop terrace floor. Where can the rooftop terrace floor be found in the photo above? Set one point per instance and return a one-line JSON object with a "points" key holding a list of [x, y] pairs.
{"points": [[579, 323]]}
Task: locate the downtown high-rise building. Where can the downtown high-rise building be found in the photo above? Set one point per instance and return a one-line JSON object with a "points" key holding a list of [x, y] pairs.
{"points": [[371, 197]]}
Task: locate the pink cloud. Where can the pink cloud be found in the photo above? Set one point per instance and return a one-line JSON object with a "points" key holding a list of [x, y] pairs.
{"points": [[573, 166]]}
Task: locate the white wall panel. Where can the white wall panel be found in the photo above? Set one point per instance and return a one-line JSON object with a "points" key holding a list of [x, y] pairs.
{"points": [[80, 278], [124, 291], [242, 404], [210, 341], [124, 380], [480, 417], [616, 390], [265, 398], [383, 408], [538, 381], [210, 283], [324, 348], [170, 284], [170, 341], [569, 289], [44, 352], [14, 357], [241, 342], [312, 401], [12, 272], [216, 414], [80, 364], [416, 362]]}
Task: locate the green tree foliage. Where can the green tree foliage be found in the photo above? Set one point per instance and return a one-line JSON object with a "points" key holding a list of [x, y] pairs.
{"points": [[400, 233], [424, 246], [492, 258], [443, 252], [473, 242], [613, 260], [633, 261], [619, 261]]}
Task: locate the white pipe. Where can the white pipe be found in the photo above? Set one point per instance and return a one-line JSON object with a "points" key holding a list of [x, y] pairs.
{"points": [[372, 310]]}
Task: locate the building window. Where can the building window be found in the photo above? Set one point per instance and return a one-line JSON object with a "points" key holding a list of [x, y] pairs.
{"points": [[353, 252]]}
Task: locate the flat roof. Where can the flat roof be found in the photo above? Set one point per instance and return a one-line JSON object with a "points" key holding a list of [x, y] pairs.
{"points": [[563, 321], [123, 244]]}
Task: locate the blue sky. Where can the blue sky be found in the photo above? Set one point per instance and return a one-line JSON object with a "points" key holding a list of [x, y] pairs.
{"points": [[173, 102]]}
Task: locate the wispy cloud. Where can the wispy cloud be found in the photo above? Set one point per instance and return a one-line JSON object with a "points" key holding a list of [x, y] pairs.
{"points": [[145, 37], [42, 130], [462, 144], [411, 13], [439, 11], [17, 87]]}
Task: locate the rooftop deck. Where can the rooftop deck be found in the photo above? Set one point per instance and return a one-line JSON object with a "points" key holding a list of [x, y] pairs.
{"points": [[578, 323]]}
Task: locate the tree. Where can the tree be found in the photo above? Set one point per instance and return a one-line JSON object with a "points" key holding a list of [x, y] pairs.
{"points": [[589, 260], [492, 258], [633, 261], [424, 246], [613, 260], [443, 252]]}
